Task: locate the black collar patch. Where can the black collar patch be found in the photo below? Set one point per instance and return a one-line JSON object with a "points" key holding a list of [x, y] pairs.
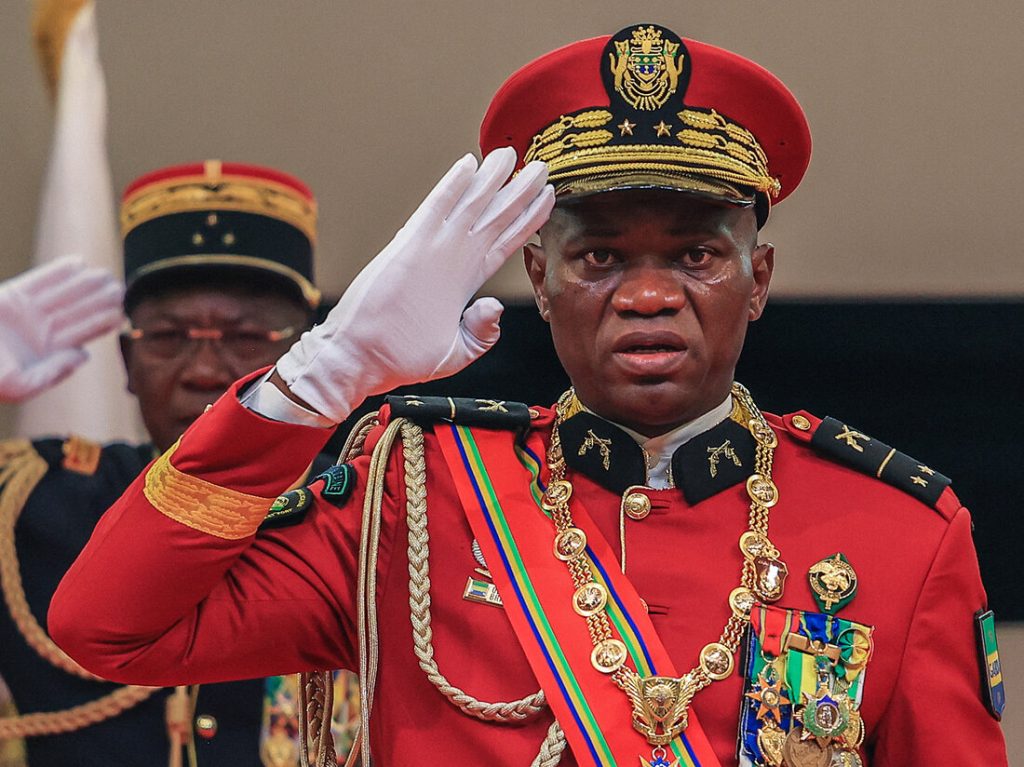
{"points": [[702, 467], [711, 462], [603, 452]]}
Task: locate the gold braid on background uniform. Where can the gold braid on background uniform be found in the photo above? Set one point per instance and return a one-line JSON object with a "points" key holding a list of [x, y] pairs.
{"points": [[21, 469]]}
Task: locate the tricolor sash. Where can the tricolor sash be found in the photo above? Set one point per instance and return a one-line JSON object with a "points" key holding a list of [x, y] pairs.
{"points": [[499, 483]]}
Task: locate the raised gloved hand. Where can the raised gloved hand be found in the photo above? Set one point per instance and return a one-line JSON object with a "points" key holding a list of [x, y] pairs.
{"points": [[46, 315], [404, 318]]}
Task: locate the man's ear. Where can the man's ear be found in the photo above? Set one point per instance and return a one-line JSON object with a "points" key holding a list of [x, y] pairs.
{"points": [[536, 267], [762, 261], [126, 356]]}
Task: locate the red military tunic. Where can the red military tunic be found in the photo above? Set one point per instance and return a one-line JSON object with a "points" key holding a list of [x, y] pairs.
{"points": [[173, 596]]}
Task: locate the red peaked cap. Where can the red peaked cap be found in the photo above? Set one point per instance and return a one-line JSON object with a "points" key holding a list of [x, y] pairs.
{"points": [[690, 134]]}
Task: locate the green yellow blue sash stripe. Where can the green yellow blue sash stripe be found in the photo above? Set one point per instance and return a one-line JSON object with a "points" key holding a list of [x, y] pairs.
{"points": [[555, 640]]}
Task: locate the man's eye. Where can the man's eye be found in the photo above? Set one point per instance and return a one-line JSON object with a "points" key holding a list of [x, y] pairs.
{"points": [[599, 257], [697, 257]]}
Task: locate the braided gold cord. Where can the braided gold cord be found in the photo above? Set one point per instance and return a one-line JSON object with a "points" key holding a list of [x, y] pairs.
{"points": [[552, 747], [71, 719], [419, 596], [21, 469]]}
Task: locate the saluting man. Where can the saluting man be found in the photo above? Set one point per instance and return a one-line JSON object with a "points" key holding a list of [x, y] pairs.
{"points": [[652, 571], [218, 264]]}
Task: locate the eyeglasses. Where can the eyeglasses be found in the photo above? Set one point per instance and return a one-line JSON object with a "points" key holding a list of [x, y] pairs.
{"points": [[239, 345]]}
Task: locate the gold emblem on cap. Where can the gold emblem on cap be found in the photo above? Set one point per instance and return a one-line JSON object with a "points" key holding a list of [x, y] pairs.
{"points": [[646, 69]]}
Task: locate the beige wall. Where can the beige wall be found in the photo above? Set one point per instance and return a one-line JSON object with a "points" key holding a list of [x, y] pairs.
{"points": [[915, 108]]}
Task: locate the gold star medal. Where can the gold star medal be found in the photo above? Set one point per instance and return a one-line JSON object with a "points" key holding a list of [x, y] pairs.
{"points": [[769, 696], [834, 583]]}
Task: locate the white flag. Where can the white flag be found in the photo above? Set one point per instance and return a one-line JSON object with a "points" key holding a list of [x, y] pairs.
{"points": [[77, 214]]}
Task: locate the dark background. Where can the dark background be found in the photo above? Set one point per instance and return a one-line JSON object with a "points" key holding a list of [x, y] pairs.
{"points": [[940, 381]]}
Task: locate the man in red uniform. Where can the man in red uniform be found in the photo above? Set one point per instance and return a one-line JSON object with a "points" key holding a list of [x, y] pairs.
{"points": [[682, 580]]}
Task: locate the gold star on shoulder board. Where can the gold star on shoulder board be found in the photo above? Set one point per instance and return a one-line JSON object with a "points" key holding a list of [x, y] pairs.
{"points": [[663, 129], [626, 128]]}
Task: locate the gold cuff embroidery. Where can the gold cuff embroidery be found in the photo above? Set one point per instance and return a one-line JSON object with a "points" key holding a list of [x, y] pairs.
{"points": [[202, 505]]}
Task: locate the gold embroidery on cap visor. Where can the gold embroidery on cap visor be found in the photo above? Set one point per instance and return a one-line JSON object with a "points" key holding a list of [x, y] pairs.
{"points": [[235, 193], [709, 155]]}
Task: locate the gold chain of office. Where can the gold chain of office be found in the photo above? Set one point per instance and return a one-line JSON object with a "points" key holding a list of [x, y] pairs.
{"points": [[761, 577]]}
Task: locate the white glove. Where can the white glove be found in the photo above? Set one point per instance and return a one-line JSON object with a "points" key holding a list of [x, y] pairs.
{"points": [[404, 318], [46, 315]]}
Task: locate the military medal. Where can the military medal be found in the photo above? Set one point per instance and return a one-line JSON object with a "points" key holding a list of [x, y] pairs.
{"points": [[800, 752], [824, 717], [771, 739], [834, 582]]}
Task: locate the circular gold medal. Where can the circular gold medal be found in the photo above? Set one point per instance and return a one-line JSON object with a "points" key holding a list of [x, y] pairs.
{"points": [[716, 660], [762, 490], [608, 656], [570, 543], [741, 601], [557, 493], [755, 545], [798, 752], [590, 599]]}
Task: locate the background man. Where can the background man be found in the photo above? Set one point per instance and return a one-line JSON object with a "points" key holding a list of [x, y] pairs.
{"points": [[218, 264], [636, 534]]}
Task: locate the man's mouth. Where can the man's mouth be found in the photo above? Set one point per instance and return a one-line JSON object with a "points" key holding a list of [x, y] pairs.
{"points": [[649, 343], [650, 354]]}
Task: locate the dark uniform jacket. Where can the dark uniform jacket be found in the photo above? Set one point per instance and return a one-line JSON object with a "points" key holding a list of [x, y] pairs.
{"points": [[52, 528]]}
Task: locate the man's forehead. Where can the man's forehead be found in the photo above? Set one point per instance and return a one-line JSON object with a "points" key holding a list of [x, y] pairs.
{"points": [[205, 302], [610, 210]]}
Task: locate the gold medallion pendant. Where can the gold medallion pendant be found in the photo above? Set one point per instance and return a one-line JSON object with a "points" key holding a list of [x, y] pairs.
{"points": [[660, 705]]}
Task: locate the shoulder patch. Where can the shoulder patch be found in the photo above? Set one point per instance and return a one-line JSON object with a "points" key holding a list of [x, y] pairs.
{"points": [[991, 668], [339, 482], [856, 449], [488, 413], [81, 455], [288, 509]]}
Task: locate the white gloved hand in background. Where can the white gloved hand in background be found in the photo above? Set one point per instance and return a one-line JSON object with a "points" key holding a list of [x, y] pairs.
{"points": [[404, 319], [47, 315]]}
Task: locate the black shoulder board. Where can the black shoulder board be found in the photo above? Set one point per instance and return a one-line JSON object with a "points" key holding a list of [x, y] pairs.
{"points": [[870, 456], [489, 413]]}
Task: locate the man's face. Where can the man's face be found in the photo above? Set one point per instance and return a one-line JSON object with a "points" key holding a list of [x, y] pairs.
{"points": [[649, 293], [174, 390]]}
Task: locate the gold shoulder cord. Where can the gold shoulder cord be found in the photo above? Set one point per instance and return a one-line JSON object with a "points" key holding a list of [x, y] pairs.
{"points": [[419, 597], [21, 469]]}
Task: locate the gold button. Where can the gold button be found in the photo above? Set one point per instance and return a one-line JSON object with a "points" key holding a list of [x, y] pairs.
{"points": [[801, 423], [206, 726], [636, 505]]}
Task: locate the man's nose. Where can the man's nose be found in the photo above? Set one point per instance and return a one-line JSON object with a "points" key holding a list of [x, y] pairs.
{"points": [[649, 290], [205, 366]]}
